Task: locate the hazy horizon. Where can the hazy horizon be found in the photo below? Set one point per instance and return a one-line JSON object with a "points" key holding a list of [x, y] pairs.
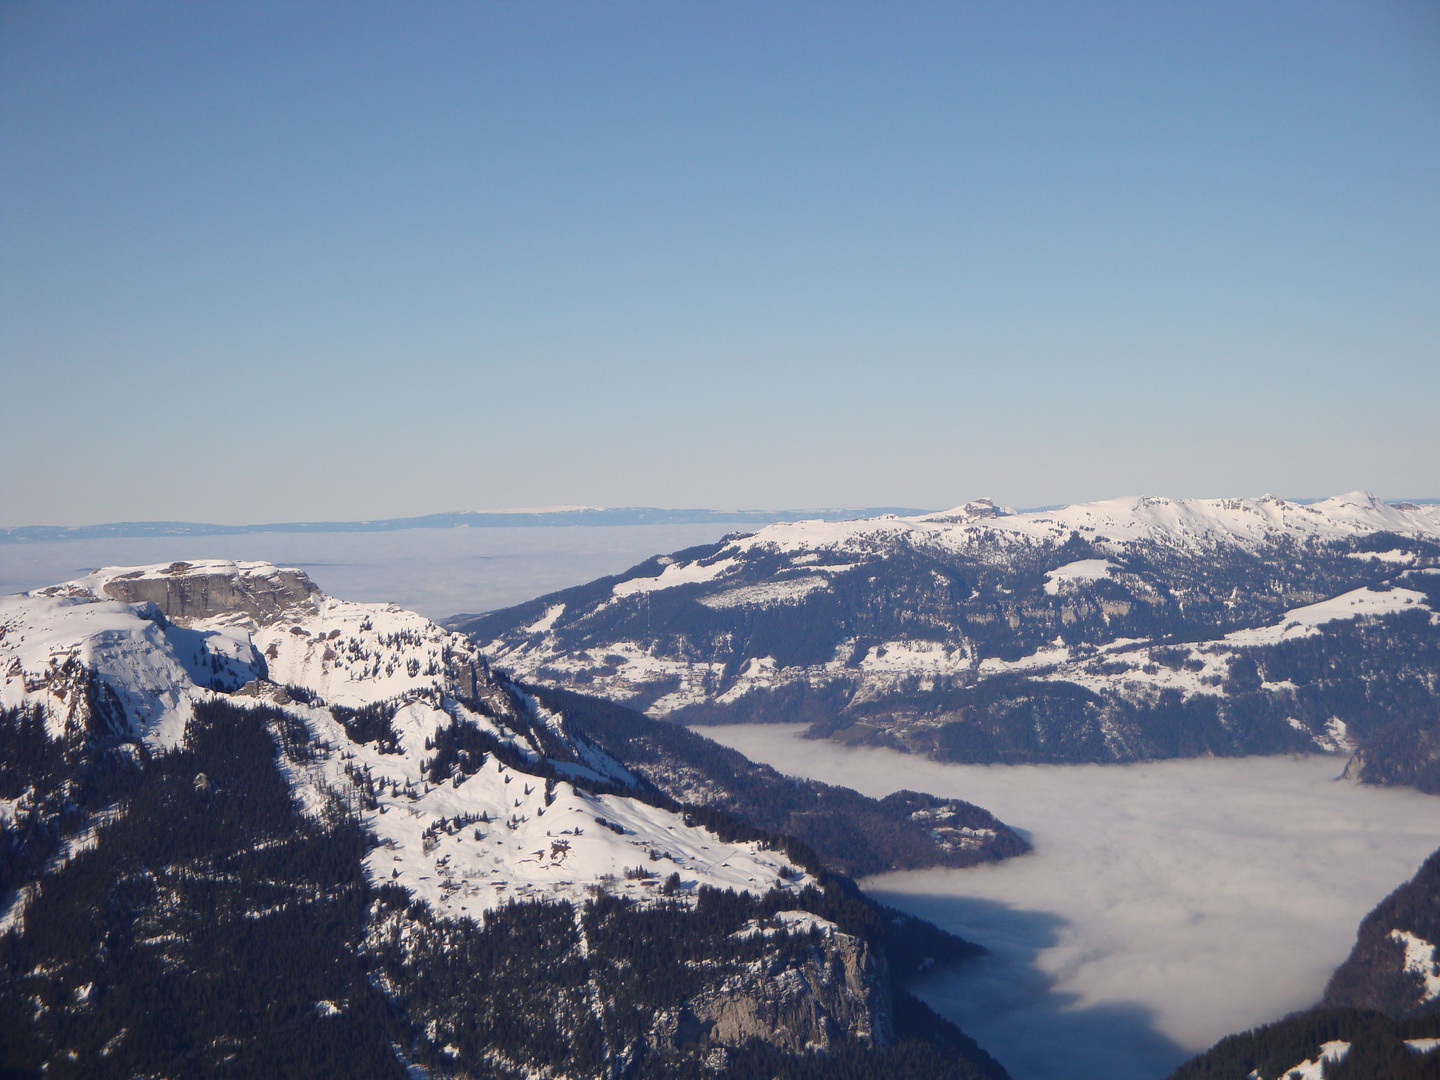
{"points": [[259, 527], [437, 572]]}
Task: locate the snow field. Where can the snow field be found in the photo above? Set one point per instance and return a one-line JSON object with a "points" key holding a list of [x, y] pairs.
{"points": [[476, 842], [1422, 960], [46, 642], [1314, 1068], [1079, 570]]}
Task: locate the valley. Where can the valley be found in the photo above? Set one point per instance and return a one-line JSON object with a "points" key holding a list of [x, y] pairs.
{"points": [[1165, 905]]}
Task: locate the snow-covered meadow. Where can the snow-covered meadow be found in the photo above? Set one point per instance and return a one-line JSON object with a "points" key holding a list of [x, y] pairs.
{"points": [[1165, 906]]}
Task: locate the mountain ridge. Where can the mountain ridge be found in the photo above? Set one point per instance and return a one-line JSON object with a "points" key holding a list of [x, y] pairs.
{"points": [[528, 517], [237, 810], [1123, 630]]}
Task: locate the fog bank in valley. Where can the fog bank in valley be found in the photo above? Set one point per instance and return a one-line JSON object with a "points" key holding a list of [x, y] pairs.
{"points": [[1166, 904]]}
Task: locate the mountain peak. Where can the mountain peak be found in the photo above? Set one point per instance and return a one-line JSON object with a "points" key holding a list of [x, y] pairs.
{"points": [[203, 589], [974, 510]]}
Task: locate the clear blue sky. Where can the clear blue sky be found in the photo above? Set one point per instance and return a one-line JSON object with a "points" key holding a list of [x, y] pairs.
{"points": [[303, 260]]}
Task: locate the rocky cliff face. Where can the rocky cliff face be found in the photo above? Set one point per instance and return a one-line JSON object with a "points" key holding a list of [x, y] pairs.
{"points": [[185, 591], [837, 990]]}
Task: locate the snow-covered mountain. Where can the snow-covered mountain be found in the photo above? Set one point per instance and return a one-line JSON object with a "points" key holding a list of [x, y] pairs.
{"points": [[1103, 631], [135, 649], [420, 808]]}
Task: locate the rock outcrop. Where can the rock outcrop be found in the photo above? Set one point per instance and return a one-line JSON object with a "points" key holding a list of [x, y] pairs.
{"points": [[836, 991], [185, 591]]}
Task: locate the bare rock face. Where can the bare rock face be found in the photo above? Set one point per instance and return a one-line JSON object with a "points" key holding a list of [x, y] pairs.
{"points": [[837, 992], [184, 592], [125, 651]]}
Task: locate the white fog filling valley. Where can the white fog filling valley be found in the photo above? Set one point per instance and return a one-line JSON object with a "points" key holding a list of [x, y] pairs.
{"points": [[1165, 905]]}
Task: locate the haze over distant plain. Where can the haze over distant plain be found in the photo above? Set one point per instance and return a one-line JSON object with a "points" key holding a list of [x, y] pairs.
{"points": [[437, 572], [276, 262]]}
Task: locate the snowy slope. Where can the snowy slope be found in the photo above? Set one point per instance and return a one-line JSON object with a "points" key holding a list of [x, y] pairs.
{"points": [[1200, 667], [479, 838], [156, 638], [84, 658], [886, 623], [1332, 1052], [796, 561], [826, 548], [133, 649]]}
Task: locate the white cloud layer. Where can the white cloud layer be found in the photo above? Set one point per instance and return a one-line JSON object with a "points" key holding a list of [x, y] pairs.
{"points": [[437, 572], [1166, 904]]}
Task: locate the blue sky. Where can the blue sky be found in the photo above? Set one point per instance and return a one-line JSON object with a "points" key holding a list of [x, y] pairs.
{"points": [[303, 260]]}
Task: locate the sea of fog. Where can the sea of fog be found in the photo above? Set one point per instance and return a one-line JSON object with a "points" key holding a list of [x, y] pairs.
{"points": [[437, 572], [1165, 905]]}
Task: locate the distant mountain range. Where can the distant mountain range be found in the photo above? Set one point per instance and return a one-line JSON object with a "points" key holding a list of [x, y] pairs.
{"points": [[1132, 629], [552, 517], [537, 517]]}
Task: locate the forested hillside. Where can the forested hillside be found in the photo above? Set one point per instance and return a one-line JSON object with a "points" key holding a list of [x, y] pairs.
{"points": [[852, 833], [1349, 1044], [1380, 1016]]}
